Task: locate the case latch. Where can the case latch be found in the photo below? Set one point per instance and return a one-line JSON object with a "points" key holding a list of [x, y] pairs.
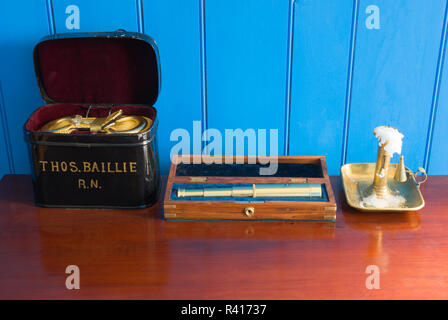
{"points": [[298, 180]]}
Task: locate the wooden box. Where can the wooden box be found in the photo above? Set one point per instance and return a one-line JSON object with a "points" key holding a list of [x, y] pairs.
{"points": [[291, 170]]}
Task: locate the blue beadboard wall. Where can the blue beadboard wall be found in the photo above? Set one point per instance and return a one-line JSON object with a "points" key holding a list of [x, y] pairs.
{"points": [[322, 72]]}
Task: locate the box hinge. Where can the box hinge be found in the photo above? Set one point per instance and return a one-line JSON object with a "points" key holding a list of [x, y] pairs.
{"points": [[170, 215], [198, 179], [330, 208]]}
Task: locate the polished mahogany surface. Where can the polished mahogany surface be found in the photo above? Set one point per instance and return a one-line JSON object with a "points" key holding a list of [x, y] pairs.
{"points": [[135, 254]]}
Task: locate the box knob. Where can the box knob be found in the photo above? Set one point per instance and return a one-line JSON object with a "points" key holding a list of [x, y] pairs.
{"points": [[249, 211]]}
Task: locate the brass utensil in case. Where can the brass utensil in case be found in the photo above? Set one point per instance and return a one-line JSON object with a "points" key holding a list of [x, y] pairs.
{"points": [[114, 123], [258, 190]]}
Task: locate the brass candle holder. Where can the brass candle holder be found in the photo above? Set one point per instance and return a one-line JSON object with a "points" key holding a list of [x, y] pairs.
{"points": [[383, 186], [380, 186]]}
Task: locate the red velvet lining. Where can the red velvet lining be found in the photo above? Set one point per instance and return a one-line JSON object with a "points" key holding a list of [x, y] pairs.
{"points": [[98, 70], [51, 112]]}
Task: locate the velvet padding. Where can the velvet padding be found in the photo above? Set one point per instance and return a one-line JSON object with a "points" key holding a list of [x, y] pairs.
{"points": [[51, 112], [97, 70]]}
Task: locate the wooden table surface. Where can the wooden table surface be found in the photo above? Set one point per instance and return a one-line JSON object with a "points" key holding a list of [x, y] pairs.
{"points": [[136, 254]]}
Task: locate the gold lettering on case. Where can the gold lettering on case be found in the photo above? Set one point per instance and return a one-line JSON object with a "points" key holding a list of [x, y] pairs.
{"points": [[88, 166], [88, 184], [74, 167]]}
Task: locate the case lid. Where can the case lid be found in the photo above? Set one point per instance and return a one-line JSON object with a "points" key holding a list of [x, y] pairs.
{"points": [[98, 68]]}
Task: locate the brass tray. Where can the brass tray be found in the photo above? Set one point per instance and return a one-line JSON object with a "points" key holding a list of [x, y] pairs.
{"points": [[357, 177]]}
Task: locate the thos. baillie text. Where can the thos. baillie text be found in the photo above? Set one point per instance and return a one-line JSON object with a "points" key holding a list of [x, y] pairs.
{"points": [[89, 167]]}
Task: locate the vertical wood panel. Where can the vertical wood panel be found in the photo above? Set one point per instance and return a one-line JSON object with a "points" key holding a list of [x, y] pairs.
{"points": [[4, 166], [23, 24], [4, 140], [246, 64], [394, 76], [438, 161], [320, 66], [175, 27], [98, 15], [438, 152]]}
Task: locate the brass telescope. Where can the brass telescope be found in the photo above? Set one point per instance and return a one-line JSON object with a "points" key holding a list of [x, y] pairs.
{"points": [[309, 190], [114, 123]]}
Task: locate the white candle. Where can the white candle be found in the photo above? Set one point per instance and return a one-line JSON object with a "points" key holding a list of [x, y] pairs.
{"points": [[391, 136]]}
